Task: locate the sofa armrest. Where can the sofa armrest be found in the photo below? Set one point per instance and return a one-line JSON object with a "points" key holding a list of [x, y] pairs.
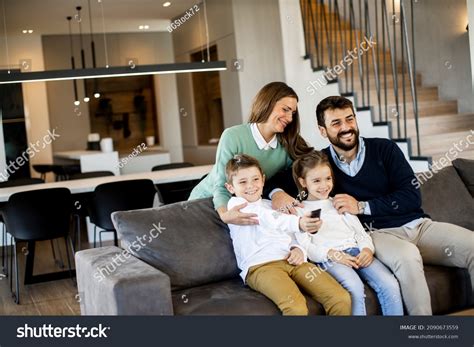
{"points": [[111, 281]]}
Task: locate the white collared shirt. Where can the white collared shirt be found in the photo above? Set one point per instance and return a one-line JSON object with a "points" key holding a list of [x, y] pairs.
{"points": [[261, 142], [270, 240]]}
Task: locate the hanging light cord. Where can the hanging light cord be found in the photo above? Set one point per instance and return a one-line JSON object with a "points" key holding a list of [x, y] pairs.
{"points": [[207, 31], [103, 32], [6, 39], [200, 37]]}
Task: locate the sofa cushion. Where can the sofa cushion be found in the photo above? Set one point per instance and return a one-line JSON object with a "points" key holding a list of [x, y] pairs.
{"points": [[232, 297], [445, 197], [185, 240], [465, 169], [450, 288]]}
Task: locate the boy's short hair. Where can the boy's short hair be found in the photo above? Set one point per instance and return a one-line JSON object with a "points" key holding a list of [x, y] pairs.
{"points": [[240, 161]]}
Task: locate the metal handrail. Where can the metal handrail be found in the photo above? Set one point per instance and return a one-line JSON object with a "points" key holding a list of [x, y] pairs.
{"points": [[333, 36]]}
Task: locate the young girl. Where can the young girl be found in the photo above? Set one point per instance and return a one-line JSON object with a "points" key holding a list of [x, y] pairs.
{"points": [[341, 245]]}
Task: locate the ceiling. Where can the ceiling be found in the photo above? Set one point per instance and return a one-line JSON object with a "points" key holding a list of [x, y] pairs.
{"points": [[46, 17]]}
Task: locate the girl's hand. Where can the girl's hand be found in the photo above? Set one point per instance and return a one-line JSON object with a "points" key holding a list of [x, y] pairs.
{"points": [[365, 257], [310, 225], [234, 216], [284, 203], [296, 257], [343, 258]]}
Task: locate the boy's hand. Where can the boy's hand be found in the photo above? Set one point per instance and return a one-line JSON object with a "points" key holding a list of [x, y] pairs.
{"points": [[296, 257], [284, 203], [343, 258], [310, 225], [365, 257]]}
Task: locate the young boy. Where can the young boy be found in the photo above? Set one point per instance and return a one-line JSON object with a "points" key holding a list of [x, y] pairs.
{"points": [[271, 261]]}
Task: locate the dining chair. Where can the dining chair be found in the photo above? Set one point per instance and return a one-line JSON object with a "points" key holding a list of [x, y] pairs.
{"points": [[82, 200], [38, 215], [118, 196], [175, 191], [8, 184]]}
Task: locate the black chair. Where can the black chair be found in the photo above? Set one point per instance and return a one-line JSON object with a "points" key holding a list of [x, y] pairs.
{"points": [[64, 171], [171, 166], [38, 215], [91, 174], [43, 169], [175, 191], [80, 205], [118, 196], [8, 184]]}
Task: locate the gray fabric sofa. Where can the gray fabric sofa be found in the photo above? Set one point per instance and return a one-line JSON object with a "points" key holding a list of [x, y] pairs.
{"points": [[179, 260]]}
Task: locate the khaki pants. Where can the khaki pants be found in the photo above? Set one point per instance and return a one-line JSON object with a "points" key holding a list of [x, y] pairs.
{"points": [[279, 281], [405, 250]]}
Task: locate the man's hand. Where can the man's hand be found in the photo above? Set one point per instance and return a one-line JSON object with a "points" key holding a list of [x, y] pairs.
{"points": [[285, 203], [296, 257], [365, 257], [345, 203], [310, 225], [234, 216], [342, 258]]}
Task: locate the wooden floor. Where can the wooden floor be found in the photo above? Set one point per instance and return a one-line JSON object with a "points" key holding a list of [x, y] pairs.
{"points": [[48, 298]]}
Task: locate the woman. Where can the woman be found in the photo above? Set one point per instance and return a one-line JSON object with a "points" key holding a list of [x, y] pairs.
{"points": [[271, 136]]}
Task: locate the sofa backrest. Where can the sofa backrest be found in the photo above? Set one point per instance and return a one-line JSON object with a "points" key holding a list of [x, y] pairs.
{"points": [[446, 198], [186, 240]]}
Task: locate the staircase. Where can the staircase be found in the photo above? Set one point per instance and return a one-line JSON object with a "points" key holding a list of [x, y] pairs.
{"points": [[380, 85]]}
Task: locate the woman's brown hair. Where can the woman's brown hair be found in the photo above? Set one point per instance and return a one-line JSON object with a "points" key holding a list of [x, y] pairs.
{"points": [[302, 165], [262, 107]]}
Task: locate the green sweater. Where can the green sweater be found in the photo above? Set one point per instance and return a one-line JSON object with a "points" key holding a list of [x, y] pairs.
{"points": [[238, 140]]}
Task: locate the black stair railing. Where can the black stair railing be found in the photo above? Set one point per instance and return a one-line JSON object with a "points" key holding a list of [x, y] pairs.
{"points": [[334, 28]]}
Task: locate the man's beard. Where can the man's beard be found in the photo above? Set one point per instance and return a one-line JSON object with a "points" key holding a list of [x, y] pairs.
{"points": [[336, 141]]}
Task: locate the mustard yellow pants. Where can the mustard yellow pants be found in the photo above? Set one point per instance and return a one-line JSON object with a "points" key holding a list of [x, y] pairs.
{"points": [[280, 282]]}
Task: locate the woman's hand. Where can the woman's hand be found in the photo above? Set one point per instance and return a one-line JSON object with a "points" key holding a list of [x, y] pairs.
{"points": [[365, 257], [310, 225], [234, 216], [296, 257], [284, 203], [342, 258]]}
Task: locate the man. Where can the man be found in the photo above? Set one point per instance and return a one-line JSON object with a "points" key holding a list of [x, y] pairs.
{"points": [[374, 181]]}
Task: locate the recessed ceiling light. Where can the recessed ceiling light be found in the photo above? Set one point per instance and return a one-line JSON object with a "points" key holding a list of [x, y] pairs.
{"points": [[140, 27], [166, 4], [30, 31], [144, 27], [27, 31]]}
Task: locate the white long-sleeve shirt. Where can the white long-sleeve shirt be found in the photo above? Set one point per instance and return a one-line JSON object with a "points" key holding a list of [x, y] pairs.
{"points": [[270, 240], [338, 231]]}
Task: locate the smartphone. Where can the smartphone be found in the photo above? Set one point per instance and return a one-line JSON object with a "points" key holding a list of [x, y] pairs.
{"points": [[316, 213]]}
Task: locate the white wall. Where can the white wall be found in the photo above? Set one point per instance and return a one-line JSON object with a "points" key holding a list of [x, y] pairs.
{"points": [[258, 40], [298, 72], [442, 49]]}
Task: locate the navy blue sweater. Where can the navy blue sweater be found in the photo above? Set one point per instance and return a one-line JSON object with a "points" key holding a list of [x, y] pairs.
{"points": [[384, 181]]}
